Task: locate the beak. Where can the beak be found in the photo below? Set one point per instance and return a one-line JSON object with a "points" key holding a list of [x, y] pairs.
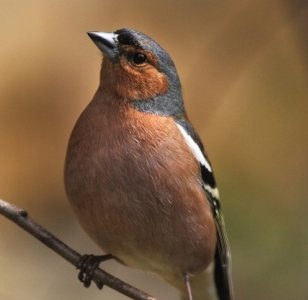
{"points": [[106, 42]]}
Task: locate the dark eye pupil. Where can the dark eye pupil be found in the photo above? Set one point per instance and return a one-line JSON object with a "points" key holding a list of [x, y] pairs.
{"points": [[139, 58]]}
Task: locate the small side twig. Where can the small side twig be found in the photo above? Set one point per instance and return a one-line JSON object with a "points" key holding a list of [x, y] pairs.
{"points": [[22, 219]]}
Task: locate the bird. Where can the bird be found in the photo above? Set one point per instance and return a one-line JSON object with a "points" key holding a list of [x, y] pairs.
{"points": [[138, 177]]}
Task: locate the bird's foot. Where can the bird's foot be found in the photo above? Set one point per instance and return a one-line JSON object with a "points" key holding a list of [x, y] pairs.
{"points": [[188, 287], [87, 264]]}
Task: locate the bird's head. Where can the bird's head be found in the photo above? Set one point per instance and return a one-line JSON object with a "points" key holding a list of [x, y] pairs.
{"points": [[135, 67]]}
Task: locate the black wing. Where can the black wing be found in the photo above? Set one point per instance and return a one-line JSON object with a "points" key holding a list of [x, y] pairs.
{"points": [[222, 255], [222, 271]]}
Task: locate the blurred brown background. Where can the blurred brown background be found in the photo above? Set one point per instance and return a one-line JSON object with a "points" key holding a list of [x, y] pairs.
{"points": [[244, 70]]}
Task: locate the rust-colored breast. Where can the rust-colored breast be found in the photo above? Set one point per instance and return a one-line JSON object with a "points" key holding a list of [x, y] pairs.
{"points": [[134, 185]]}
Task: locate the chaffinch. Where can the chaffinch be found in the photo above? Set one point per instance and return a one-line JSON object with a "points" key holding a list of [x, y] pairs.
{"points": [[138, 177]]}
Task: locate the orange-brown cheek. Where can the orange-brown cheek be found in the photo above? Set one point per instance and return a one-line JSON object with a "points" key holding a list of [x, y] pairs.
{"points": [[135, 83], [132, 83]]}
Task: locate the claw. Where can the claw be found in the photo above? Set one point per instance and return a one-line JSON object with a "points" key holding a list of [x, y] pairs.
{"points": [[87, 264]]}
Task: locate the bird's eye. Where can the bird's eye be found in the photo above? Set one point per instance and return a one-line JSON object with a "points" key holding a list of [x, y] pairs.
{"points": [[138, 58]]}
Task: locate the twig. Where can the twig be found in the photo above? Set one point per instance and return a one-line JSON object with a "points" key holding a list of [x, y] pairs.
{"points": [[21, 218]]}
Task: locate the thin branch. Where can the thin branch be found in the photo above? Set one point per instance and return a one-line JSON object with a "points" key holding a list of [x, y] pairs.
{"points": [[22, 219]]}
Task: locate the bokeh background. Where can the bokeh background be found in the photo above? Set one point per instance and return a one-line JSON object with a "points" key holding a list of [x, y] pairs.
{"points": [[244, 70]]}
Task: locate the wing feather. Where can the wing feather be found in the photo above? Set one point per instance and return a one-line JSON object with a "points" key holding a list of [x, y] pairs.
{"points": [[222, 269]]}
